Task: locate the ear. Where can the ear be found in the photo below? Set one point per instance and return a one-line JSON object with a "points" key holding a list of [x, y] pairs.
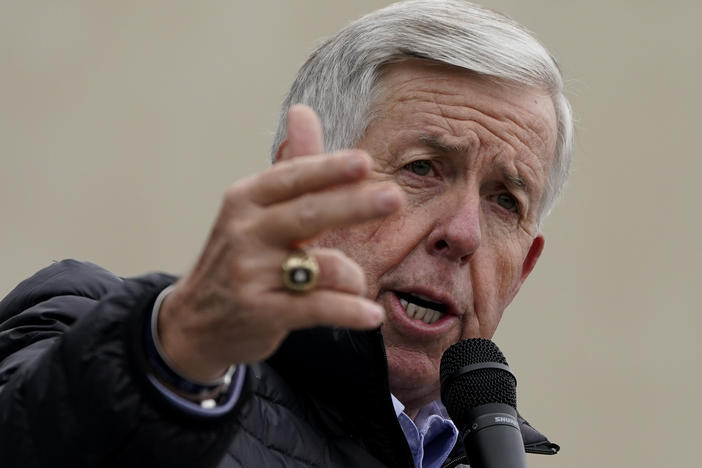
{"points": [[532, 256]]}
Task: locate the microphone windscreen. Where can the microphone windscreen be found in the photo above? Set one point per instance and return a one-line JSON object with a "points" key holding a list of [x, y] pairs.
{"points": [[462, 391]]}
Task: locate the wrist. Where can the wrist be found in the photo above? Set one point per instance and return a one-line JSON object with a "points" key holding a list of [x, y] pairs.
{"points": [[196, 389]]}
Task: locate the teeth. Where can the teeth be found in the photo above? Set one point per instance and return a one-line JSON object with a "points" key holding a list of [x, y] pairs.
{"points": [[424, 314], [430, 316]]}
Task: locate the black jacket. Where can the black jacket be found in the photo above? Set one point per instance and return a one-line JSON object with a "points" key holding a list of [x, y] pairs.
{"points": [[74, 392]]}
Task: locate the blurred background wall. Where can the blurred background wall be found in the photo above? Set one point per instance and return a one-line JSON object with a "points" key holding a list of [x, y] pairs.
{"points": [[121, 124]]}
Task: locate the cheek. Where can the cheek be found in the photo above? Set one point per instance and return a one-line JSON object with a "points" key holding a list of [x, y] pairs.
{"points": [[507, 269], [377, 246], [496, 272]]}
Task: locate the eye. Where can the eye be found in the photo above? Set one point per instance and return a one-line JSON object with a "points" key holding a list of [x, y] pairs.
{"points": [[421, 167], [508, 202]]}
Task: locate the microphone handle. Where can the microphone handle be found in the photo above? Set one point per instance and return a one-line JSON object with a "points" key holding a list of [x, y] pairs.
{"points": [[492, 437]]}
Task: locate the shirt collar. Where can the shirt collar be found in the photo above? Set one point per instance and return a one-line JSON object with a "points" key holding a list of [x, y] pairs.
{"points": [[431, 435]]}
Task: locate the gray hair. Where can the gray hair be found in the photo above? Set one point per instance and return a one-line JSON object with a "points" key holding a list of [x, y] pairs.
{"points": [[342, 78]]}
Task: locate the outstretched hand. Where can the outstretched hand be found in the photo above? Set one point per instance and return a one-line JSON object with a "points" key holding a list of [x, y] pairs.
{"points": [[233, 307]]}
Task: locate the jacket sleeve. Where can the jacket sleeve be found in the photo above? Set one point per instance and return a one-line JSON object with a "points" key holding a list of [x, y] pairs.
{"points": [[73, 378]]}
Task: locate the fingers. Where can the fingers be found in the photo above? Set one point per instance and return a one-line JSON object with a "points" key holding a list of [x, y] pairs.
{"points": [[337, 272], [292, 178], [327, 308], [304, 133], [304, 217], [300, 167]]}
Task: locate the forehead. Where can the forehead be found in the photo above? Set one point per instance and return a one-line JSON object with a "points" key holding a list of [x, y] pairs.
{"points": [[466, 109]]}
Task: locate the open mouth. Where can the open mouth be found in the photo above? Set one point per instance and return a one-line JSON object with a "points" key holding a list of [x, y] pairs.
{"points": [[419, 307]]}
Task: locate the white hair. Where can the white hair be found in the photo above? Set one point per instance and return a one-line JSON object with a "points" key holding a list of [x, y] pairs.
{"points": [[342, 78]]}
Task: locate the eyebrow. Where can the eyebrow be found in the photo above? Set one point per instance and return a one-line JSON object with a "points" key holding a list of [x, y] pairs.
{"points": [[516, 181], [513, 180], [435, 143]]}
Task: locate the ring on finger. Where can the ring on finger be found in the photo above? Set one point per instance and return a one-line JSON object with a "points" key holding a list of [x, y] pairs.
{"points": [[300, 272]]}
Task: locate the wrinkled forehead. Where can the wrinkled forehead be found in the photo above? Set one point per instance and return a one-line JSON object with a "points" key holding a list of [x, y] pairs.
{"points": [[402, 80], [412, 89]]}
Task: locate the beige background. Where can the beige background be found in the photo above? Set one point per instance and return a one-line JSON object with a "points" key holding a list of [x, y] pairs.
{"points": [[121, 123]]}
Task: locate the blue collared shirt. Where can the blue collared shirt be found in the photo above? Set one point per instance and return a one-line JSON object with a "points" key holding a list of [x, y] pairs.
{"points": [[431, 435]]}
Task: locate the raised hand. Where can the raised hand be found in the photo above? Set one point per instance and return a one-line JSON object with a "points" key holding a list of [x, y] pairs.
{"points": [[233, 306]]}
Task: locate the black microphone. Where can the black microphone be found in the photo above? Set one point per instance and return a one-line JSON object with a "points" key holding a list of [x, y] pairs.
{"points": [[480, 393]]}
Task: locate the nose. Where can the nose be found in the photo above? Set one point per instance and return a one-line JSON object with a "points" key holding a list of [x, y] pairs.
{"points": [[456, 233]]}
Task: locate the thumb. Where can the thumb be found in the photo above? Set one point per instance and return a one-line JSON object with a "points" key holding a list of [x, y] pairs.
{"points": [[304, 133]]}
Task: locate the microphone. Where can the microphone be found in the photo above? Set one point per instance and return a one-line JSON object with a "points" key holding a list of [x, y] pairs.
{"points": [[479, 392]]}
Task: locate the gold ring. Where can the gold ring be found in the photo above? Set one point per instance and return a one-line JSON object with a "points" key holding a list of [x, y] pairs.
{"points": [[300, 272]]}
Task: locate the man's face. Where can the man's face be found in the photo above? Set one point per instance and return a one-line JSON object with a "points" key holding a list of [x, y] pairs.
{"points": [[472, 157]]}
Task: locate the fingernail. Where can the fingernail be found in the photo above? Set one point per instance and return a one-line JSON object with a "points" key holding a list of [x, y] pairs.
{"points": [[387, 200], [355, 164], [376, 314]]}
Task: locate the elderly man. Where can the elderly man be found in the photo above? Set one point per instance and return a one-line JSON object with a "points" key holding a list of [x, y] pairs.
{"points": [[310, 330]]}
